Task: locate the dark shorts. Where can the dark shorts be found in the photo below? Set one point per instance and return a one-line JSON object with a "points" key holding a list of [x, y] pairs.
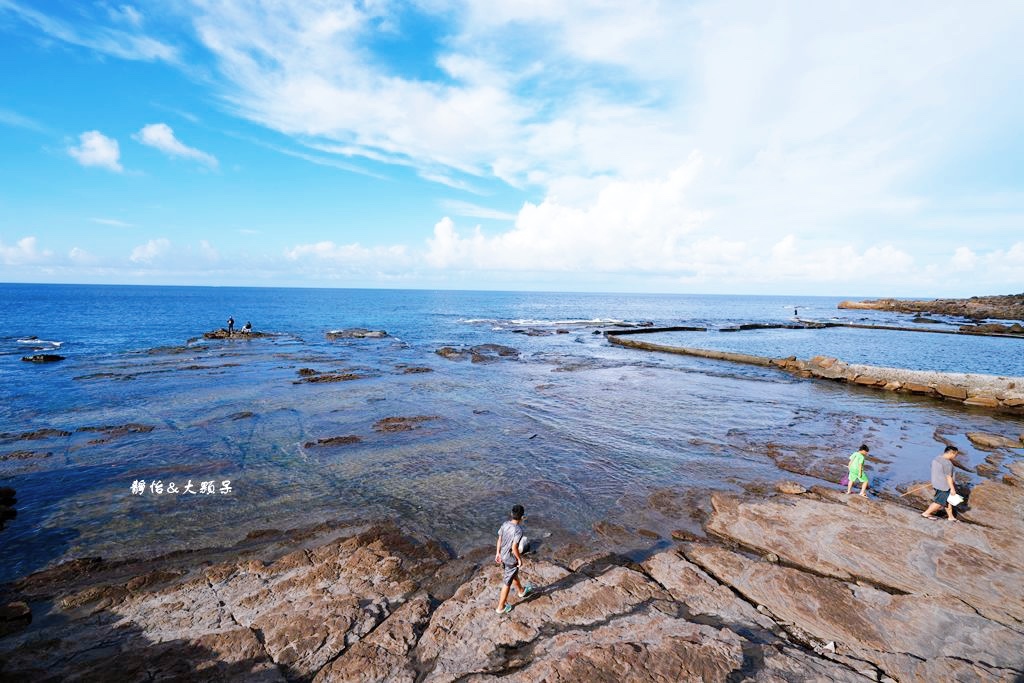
{"points": [[508, 573], [941, 497]]}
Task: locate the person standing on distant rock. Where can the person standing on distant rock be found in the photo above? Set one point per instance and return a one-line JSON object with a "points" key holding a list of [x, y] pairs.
{"points": [[507, 554], [942, 482], [857, 471], [231, 326]]}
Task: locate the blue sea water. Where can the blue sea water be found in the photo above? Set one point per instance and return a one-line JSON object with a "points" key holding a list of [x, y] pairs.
{"points": [[576, 429]]}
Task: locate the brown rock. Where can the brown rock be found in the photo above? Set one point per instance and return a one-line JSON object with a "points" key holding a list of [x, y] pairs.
{"points": [[870, 623], [985, 440], [951, 391], [915, 388], [790, 488], [306, 608], [701, 594], [385, 655], [885, 544], [983, 401], [14, 616]]}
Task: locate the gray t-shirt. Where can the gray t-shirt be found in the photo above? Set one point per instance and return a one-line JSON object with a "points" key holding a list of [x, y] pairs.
{"points": [[941, 468], [511, 534]]}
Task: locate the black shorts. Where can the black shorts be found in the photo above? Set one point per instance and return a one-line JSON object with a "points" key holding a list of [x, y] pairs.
{"points": [[941, 497]]}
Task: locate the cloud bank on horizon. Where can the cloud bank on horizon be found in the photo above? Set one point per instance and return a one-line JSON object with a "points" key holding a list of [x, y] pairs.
{"points": [[715, 146]]}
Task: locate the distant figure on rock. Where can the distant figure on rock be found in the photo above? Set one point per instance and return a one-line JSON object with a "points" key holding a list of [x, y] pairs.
{"points": [[796, 313], [507, 554], [857, 471], [247, 328], [942, 482], [231, 326]]}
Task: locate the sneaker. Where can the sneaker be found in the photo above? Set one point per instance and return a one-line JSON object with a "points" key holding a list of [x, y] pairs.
{"points": [[527, 589], [508, 608]]}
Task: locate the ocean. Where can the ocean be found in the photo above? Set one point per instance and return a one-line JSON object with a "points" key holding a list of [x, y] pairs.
{"points": [[584, 434]]}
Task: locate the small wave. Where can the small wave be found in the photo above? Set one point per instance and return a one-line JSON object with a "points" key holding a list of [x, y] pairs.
{"points": [[41, 342]]}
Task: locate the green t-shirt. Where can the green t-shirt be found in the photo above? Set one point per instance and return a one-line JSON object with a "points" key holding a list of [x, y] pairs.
{"points": [[856, 464]]}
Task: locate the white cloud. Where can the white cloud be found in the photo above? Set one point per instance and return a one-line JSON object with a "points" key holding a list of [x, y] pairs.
{"points": [[24, 251], [816, 122], [161, 137], [354, 253], [113, 222], [208, 251], [964, 259], [13, 118], [110, 41], [81, 257], [125, 14], [461, 208], [151, 250], [96, 149], [637, 225]]}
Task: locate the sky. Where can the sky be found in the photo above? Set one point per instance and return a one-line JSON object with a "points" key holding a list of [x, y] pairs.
{"points": [[868, 148]]}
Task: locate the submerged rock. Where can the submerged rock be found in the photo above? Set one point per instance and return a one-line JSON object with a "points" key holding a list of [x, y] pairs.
{"points": [[34, 435], [328, 377], [356, 333], [334, 441], [402, 424], [481, 353], [42, 358], [14, 616]]}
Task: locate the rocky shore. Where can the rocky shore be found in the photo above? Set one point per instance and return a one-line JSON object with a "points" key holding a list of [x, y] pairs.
{"points": [[1004, 307], [1005, 394], [802, 585]]}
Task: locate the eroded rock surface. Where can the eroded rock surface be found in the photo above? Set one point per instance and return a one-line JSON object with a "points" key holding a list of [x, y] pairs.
{"points": [[837, 588]]}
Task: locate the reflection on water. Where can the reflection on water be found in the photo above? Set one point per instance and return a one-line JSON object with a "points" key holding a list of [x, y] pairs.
{"points": [[577, 430]]}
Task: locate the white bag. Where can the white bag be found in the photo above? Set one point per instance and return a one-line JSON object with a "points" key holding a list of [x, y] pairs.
{"points": [[955, 499]]}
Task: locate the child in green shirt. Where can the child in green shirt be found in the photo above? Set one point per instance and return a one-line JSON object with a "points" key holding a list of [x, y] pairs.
{"points": [[857, 471]]}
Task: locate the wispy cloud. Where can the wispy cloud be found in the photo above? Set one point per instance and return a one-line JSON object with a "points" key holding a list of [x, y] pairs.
{"points": [[113, 222], [161, 136], [111, 41], [96, 149], [13, 118], [125, 14]]}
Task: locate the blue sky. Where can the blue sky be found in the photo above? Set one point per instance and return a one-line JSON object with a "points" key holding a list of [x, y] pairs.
{"points": [[721, 147]]}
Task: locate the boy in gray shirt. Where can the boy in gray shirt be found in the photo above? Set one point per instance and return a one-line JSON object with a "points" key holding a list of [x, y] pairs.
{"points": [[506, 553], [942, 483]]}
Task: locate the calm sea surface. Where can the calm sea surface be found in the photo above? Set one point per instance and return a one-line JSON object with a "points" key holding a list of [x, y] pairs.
{"points": [[575, 429]]}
